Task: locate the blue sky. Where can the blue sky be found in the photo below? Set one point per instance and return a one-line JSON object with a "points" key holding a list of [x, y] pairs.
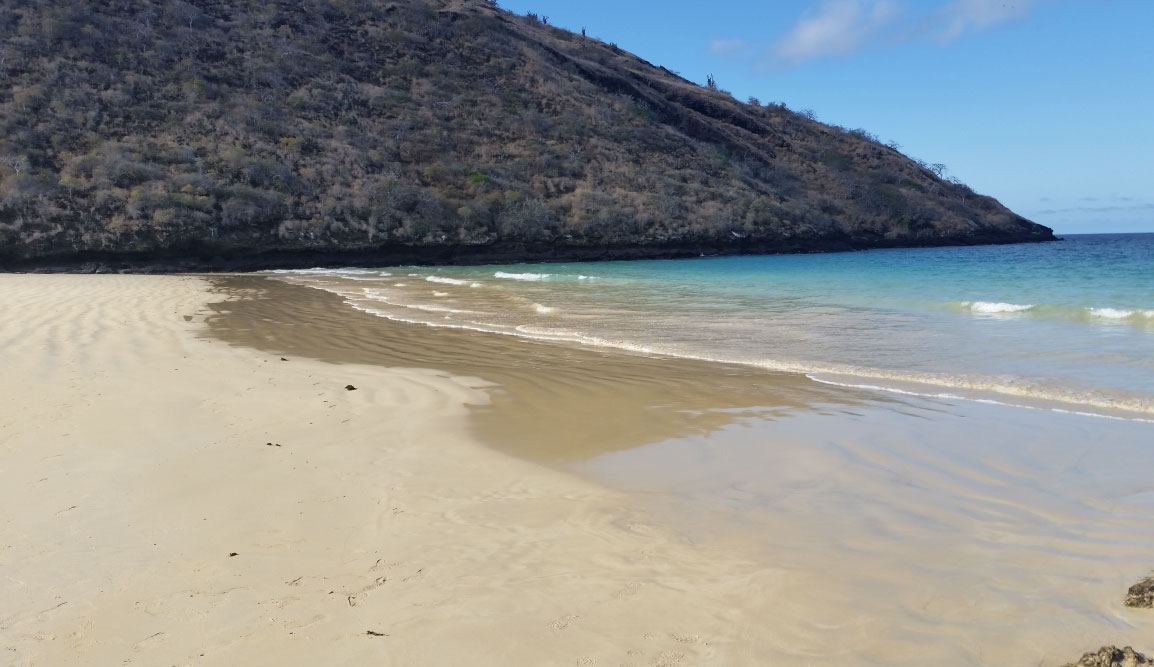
{"points": [[1047, 105]]}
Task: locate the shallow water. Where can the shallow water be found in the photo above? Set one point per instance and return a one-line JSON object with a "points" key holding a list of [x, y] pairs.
{"points": [[924, 532], [910, 530], [1063, 326]]}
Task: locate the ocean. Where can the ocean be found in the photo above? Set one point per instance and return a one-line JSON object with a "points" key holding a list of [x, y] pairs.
{"points": [[1065, 326]]}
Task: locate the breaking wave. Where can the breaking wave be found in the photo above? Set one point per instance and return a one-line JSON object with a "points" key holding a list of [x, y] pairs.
{"points": [[989, 307], [532, 277], [1142, 317], [446, 281], [1138, 316]]}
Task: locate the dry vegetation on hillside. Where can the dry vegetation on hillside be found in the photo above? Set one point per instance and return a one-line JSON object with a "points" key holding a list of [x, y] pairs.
{"points": [[129, 126]]}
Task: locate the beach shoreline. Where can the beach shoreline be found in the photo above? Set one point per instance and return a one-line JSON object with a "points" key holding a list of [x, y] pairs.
{"points": [[156, 426], [209, 257]]}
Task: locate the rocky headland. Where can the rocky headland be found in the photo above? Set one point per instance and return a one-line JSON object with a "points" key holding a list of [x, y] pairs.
{"points": [[167, 135]]}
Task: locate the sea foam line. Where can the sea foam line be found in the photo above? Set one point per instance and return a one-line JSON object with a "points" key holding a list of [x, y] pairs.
{"points": [[531, 277], [1137, 316], [945, 395], [992, 307], [341, 273], [1120, 314]]}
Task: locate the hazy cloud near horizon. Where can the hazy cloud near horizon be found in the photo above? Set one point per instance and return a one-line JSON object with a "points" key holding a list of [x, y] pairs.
{"points": [[1096, 209], [843, 27]]}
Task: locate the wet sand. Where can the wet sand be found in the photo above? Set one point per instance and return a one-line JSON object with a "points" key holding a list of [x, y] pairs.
{"points": [[552, 403], [686, 513]]}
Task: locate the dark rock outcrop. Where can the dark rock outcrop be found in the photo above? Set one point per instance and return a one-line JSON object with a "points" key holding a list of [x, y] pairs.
{"points": [[1111, 656], [204, 134], [1141, 594]]}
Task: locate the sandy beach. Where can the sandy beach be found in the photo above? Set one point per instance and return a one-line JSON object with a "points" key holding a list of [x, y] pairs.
{"points": [[373, 530], [188, 479]]}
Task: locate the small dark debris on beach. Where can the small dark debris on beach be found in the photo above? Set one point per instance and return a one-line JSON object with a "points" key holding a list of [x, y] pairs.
{"points": [[1141, 594], [1112, 656], [373, 633], [283, 359], [349, 387], [231, 554]]}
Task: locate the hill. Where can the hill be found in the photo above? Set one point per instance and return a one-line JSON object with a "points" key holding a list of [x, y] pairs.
{"points": [[169, 134]]}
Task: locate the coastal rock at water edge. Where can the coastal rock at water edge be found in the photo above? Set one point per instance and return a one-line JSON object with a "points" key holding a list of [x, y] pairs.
{"points": [[1141, 594], [1112, 656]]}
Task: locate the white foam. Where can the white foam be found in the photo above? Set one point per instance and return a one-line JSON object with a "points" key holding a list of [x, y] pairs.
{"points": [[446, 281], [1106, 315], [979, 387], [397, 318], [992, 307], [436, 293], [382, 296], [433, 309], [564, 334], [533, 277], [1111, 313], [987, 401], [330, 272], [544, 310], [877, 387]]}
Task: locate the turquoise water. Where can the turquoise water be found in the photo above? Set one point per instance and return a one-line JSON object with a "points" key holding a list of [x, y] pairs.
{"points": [[1061, 326]]}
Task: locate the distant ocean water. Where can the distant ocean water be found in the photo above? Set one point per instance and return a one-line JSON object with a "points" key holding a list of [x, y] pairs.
{"points": [[1065, 326]]}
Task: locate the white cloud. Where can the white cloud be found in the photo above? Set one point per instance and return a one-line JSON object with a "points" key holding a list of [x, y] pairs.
{"points": [[1098, 209], [963, 16], [729, 47], [838, 27], [842, 27]]}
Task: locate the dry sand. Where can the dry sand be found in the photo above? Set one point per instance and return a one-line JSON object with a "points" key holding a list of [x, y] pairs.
{"points": [[134, 461]]}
